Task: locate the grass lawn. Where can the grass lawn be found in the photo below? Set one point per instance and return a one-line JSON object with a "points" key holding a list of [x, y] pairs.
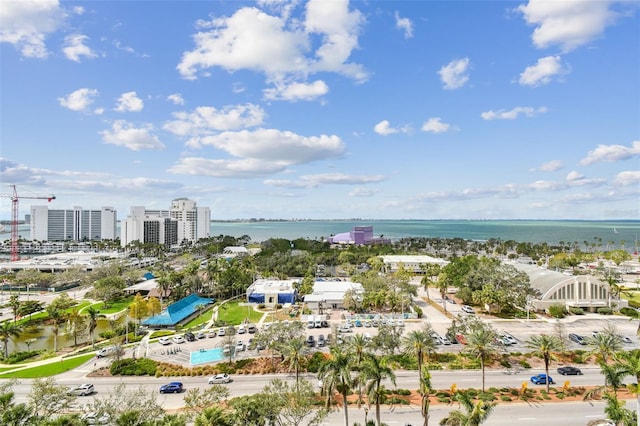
{"points": [[114, 307], [233, 314], [631, 295], [50, 369], [199, 320]]}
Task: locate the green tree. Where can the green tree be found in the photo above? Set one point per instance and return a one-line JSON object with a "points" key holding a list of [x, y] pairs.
{"points": [[629, 364], [420, 344], [196, 400], [214, 416], [474, 414], [8, 331], [92, 314], [373, 372], [293, 405], [358, 346], [335, 374], [480, 344], [14, 304], [47, 397], [75, 324], [57, 317], [109, 288], [545, 346], [295, 355]]}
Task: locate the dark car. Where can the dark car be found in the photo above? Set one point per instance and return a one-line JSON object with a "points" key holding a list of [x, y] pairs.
{"points": [[569, 371], [541, 379], [189, 336], [173, 387], [321, 341], [311, 341], [578, 339]]}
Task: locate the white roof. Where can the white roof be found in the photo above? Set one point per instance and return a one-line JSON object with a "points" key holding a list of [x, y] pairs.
{"points": [[414, 259], [272, 286], [147, 285]]}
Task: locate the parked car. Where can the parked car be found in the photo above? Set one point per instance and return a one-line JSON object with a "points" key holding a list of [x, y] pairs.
{"points": [[324, 324], [541, 379], [172, 387], [200, 335], [625, 339], [240, 346], [212, 333], [242, 329], [577, 338], [178, 339], [569, 371], [222, 332], [82, 390], [311, 341], [251, 328], [219, 379], [468, 309], [164, 340], [321, 341], [190, 336], [358, 323], [94, 418]]}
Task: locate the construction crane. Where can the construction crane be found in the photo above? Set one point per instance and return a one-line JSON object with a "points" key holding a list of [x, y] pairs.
{"points": [[14, 217]]}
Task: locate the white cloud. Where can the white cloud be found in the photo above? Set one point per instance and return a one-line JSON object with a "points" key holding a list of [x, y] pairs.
{"points": [[79, 100], [628, 178], [384, 128], [125, 134], [363, 192], [574, 176], [568, 23], [513, 114], [297, 91], [26, 25], [435, 125], [543, 71], [176, 98], [74, 47], [129, 102], [405, 25], [552, 166], [454, 75], [277, 46], [313, 181], [276, 146], [611, 153], [243, 168], [207, 120]]}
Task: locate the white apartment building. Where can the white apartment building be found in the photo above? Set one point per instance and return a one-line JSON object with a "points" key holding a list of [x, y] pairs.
{"points": [[184, 221], [72, 224]]}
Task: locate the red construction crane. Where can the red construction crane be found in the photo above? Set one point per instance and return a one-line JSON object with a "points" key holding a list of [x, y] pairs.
{"points": [[14, 217]]}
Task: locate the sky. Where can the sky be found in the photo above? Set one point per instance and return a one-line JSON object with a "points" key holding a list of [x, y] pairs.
{"points": [[324, 109]]}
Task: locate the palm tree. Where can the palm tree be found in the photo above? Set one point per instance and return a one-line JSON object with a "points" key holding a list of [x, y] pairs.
{"points": [[14, 304], [629, 364], [57, 316], [75, 323], [295, 355], [545, 346], [92, 313], [335, 374], [480, 343], [358, 347], [8, 331], [419, 343], [475, 414], [616, 411], [374, 371]]}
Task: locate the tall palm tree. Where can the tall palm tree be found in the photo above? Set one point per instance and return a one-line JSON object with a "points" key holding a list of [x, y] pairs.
{"points": [[605, 344], [420, 344], [474, 414], [359, 348], [8, 331], [374, 371], [335, 374], [295, 354], [57, 317], [75, 323], [629, 364], [480, 342], [545, 346], [92, 313]]}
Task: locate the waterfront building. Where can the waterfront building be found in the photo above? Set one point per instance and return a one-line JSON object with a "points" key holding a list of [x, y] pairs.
{"points": [[410, 263], [359, 235], [272, 292], [74, 224]]}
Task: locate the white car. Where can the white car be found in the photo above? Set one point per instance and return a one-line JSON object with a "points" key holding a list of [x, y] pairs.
{"points": [[82, 390], [222, 332], [164, 340], [242, 329], [219, 379], [468, 309], [178, 339], [240, 346]]}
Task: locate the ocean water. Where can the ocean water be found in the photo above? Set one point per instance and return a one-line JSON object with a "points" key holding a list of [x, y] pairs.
{"points": [[613, 233], [604, 233]]}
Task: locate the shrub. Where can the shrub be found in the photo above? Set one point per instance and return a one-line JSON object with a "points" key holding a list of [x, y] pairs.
{"points": [[315, 362], [604, 311], [557, 311], [418, 311], [494, 390], [404, 392], [505, 398], [486, 396], [524, 364], [576, 311], [134, 367], [628, 311], [20, 356]]}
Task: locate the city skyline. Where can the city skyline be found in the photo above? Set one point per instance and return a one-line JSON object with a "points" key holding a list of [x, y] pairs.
{"points": [[324, 109]]}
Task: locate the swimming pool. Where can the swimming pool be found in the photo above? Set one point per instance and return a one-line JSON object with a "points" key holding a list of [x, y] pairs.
{"points": [[206, 355]]}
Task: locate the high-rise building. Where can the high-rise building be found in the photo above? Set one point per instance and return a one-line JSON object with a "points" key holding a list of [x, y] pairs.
{"points": [[184, 221], [72, 225]]}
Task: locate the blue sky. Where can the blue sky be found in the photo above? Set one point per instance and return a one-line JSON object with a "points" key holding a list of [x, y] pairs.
{"points": [[324, 109]]}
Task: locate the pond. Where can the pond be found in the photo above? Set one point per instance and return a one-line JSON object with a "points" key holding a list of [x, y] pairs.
{"points": [[40, 337]]}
